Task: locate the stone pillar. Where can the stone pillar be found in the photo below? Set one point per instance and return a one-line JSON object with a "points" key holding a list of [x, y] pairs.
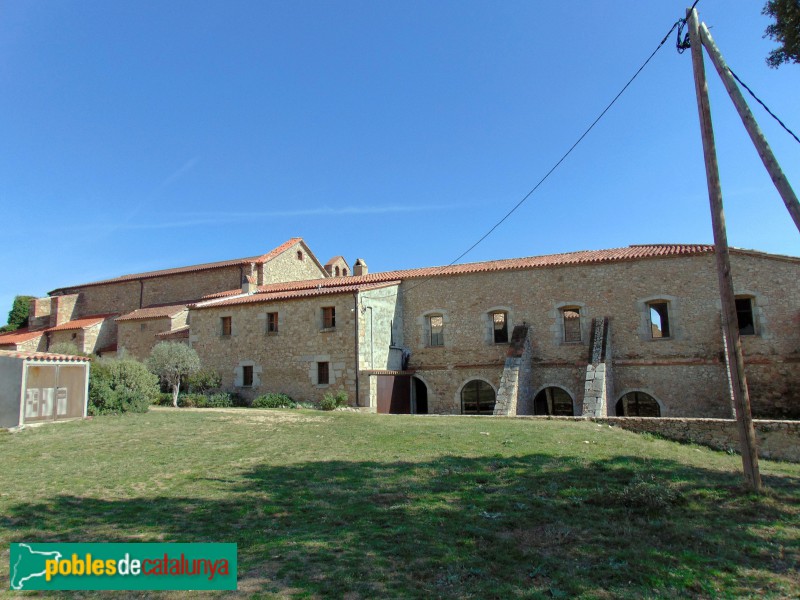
{"points": [[515, 382], [598, 384]]}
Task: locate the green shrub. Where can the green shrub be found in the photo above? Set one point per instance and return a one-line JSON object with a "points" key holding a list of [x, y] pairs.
{"points": [[218, 400], [66, 348], [163, 399], [203, 381], [118, 386], [191, 401], [274, 401], [333, 401]]}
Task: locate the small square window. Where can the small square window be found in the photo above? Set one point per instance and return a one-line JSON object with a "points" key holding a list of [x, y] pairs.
{"points": [[500, 327], [744, 316], [247, 376], [572, 324], [328, 317], [272, 322], [323, 376], [226, 326], [659, 319], [143, 326], [437, 330]]}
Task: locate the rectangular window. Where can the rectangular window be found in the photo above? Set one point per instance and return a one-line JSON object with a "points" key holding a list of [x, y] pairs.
{"points": [[323, 376], [272, 322], [247, 376], [226, 326], [572, 324], [328, 317], [500, 327], [437, 330], [659, 320], [744, 315]]}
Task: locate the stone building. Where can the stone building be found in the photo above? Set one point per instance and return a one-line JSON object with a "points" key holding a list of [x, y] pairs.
{"points": [[134, 312], [630, 331]]}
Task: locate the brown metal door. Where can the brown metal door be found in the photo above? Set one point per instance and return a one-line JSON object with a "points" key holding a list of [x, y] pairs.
{"points": [[394, 394]]}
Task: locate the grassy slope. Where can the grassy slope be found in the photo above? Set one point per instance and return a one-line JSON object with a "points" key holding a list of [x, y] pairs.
{"points": [[355, 505]]}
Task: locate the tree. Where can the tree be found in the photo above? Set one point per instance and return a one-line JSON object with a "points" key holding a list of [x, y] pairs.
{"points": [[785, 30], [18, 315], [171, 361]]}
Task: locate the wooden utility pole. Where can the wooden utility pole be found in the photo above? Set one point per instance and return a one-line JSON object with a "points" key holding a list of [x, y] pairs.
{"points": [[741, 399], [759, 141]]}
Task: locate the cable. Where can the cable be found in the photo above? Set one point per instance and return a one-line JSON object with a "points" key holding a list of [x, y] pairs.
{"points": [[757, 99], [553, 168]]}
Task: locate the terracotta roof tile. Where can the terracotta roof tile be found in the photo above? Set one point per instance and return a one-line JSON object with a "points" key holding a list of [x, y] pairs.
{"points": [[192, 268], [319, 290], [533, 262], [20, 335], [178, 332], [156, 311], [44, 356], [81, 323]]}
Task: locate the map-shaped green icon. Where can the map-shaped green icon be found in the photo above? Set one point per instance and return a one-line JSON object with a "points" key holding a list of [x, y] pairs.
{"points": [[27, 564]]}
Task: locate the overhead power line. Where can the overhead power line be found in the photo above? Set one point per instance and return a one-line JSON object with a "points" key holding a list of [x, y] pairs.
{"points": [[556, 165]]}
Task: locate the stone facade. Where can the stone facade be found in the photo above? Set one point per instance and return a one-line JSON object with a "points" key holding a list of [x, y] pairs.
{"points": [[136, 337], [684, 372], [652, 312]]}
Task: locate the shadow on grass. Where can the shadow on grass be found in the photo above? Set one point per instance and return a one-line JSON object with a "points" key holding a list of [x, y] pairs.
{"points": [[526, 526]]}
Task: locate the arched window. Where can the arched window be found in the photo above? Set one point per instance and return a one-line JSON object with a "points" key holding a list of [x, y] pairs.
{"points": [[553, 401], [477, 398], [299, 255], [638, 404], [344, 272], [336, 271]]}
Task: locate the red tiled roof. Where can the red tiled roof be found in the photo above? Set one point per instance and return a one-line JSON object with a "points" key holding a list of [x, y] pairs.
{"points": [[20, 335], [334, 259], [157, 311], [320, 290], [178, 332], [81, 323], [192, 268], [584, 257], [44, 356]]}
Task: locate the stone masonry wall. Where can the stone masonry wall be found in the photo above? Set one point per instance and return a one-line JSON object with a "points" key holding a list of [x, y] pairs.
{"points": [[683, 372], [287, 267], [379, 314], [191, 286], [285, 361], [137, 338]]}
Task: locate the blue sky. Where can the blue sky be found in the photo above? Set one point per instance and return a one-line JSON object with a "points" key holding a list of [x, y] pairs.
{"points": [[147, 135]]}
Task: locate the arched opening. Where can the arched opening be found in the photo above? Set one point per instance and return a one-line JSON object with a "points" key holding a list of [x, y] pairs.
{"points": [[419, 398], [553, 401], [336, 271], [477, 398], [638, 404]]}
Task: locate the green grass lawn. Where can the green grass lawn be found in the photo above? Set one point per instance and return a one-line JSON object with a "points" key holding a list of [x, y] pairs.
{"points": [[350, 505]]}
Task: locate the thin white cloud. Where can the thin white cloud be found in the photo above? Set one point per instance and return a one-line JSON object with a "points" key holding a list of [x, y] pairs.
{"points": [[197, 219]]}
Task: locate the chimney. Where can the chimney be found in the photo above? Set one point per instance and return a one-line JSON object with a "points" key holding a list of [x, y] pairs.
{"points": [[360, 268], [249, 286]]}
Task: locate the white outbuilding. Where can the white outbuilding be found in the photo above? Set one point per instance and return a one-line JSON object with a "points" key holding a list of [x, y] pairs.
{"points": [[40, 387]]}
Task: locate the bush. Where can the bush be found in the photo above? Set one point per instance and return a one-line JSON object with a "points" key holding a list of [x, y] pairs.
{"points": [[203, 381], [333, 401], [66, 348], [191, 400], [220, 400], [274, 401], [119, 386]]}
